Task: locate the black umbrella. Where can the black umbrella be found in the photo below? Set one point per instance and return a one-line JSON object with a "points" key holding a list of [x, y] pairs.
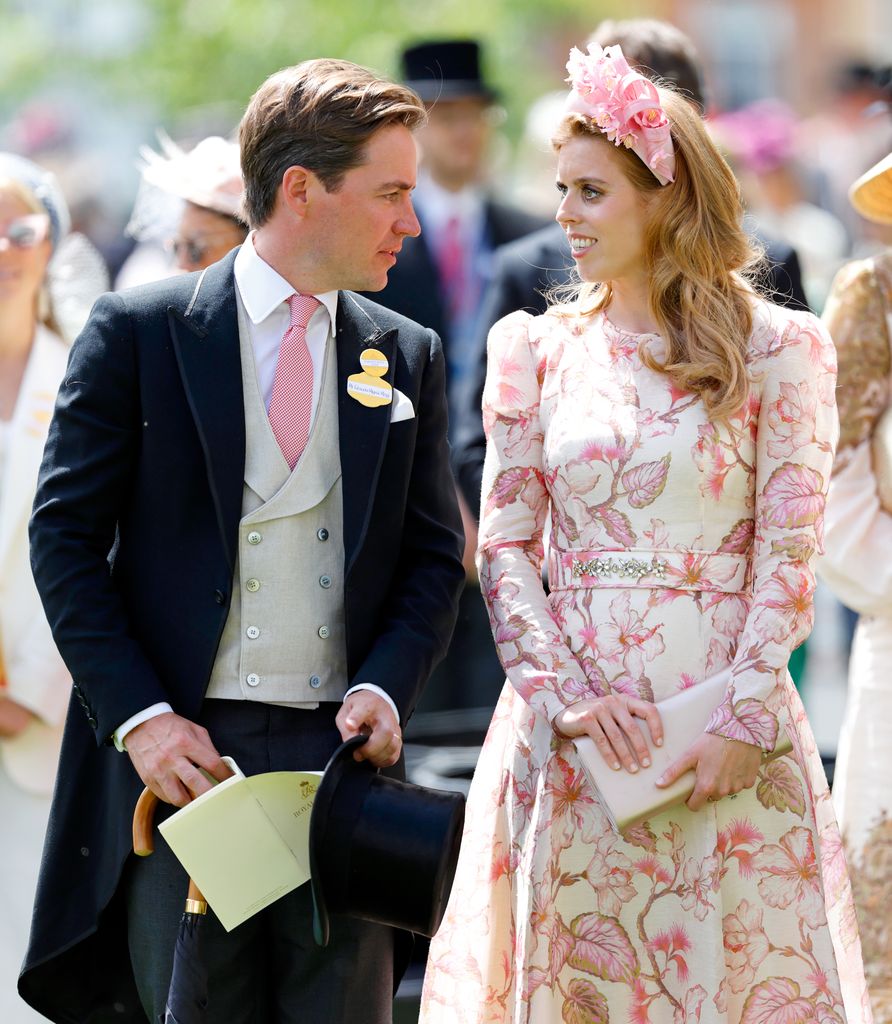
{"points": [[187, 997]]}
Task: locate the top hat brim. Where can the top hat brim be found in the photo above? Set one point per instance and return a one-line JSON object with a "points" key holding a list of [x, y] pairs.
{"points": [[340, 762], [871, 194], [430, 90]]}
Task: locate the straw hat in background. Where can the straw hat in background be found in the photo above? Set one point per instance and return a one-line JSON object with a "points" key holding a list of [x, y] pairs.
{"points": [[871, 194]]}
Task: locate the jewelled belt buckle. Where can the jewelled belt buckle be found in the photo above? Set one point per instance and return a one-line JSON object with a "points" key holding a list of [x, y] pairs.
{"points": [[625, 568]]}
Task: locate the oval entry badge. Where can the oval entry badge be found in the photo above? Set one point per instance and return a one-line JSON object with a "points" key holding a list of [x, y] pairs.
{"points": [[367, 387]]}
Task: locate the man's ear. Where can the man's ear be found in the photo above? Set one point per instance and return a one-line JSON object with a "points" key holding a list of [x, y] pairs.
{"points": [[295, 187]]}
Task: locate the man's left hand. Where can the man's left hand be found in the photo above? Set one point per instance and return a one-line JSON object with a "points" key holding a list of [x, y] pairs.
{"points": [[365, 713]]}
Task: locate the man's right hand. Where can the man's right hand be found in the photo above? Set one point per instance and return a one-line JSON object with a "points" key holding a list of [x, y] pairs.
{"points": [[167, 752]]}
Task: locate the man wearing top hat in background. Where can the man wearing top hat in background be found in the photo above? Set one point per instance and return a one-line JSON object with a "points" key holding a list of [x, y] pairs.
{"points": [[246, 540], [440, 280]]}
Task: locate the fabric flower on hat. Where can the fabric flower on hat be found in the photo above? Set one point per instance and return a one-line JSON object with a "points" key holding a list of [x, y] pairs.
{"points": [[623, 104]]}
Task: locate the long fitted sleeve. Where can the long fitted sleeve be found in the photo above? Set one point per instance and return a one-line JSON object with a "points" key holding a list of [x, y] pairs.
{"points": [[796, 429], [514, 504]]}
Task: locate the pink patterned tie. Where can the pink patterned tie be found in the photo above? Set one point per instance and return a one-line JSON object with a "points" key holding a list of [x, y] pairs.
{"points": [[451, 260], [292, 398]]}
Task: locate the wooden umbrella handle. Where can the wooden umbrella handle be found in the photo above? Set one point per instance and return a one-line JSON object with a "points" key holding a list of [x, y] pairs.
{"points": [[144, 843], [144, 823]]}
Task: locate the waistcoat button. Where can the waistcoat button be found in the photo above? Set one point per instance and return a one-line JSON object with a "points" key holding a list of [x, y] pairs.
{"points": [[253, 679], [254, 537], [315, 682], [325, 582], [219, 597], [253, 632], [253, 585], [322, 533], [324, 632]]}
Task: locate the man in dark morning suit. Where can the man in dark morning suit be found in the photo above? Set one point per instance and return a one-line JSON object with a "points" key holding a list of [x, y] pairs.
{"points": [[527, 270], [241, 553]]}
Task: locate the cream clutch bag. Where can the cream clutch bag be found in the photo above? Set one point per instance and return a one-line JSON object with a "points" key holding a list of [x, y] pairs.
{"points": [[881, 455], [630, 799]]}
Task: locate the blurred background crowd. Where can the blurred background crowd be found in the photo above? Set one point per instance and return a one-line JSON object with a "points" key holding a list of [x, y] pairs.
{"points": [[133, 104]]}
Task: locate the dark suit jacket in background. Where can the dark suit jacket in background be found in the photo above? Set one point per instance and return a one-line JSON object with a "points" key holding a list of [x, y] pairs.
{"points": [[525, 272], [413, 285], [134, 539]]}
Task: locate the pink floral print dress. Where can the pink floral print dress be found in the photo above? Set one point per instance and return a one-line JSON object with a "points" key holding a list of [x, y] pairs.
{"points": [[676, 547]]}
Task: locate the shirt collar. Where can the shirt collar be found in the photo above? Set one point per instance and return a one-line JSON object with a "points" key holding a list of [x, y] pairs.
{"points": [[263, 289], [440, 205]]}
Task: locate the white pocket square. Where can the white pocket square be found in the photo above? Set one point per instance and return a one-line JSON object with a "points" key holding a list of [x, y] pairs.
{"points": [[401, 407]]}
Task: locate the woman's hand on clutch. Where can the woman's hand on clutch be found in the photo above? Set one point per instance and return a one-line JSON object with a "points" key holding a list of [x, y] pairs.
{"points": [[723, 768], [611, 723]]}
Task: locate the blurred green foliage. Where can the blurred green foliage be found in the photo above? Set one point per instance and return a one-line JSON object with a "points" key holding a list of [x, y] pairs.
{"points": [[169, 56]]}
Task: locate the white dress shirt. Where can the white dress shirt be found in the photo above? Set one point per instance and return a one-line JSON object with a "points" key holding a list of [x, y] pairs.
{"points": [[437, 206], [264, 294]]}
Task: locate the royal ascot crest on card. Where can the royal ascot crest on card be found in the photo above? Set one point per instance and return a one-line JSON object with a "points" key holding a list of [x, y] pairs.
{"points": [[367, 387]]}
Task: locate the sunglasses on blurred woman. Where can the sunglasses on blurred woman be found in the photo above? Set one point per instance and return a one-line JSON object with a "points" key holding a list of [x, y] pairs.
{"points": [[26, 232], [194, 250]]}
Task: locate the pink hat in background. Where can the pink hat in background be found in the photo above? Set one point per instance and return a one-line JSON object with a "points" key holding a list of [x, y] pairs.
{"points": [[209, 175]]}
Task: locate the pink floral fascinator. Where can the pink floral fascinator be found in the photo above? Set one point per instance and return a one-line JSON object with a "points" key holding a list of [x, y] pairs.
{"points": [[623, 104]]}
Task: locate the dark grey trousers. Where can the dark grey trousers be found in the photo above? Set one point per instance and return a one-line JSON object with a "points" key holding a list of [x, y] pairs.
{"points": [[268, 970]]}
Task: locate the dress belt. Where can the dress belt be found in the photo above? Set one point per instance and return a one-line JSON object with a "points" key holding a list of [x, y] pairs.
{"points": [[673, 568]]}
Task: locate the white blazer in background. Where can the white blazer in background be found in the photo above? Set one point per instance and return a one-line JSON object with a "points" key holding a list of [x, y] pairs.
{"points": [[35, 673]]}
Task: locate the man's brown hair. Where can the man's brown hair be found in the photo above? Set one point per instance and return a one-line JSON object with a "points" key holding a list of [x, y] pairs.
{"points": [[319, 114]]}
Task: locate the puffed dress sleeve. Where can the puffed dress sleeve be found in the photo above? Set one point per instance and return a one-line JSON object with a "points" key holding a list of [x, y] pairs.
{"points": [[514, 504]]}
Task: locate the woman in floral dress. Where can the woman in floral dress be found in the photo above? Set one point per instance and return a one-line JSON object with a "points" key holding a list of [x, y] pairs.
{"points": [[677, 433], [859, 569]]}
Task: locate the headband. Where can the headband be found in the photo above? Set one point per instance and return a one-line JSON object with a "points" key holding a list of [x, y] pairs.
{"points": [[623, 104]]}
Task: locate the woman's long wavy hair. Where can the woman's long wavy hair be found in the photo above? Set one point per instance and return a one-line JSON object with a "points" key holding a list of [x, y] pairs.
{"points": [[699, 261]]}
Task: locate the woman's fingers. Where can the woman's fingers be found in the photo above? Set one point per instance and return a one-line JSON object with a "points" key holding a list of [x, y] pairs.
{"points": [[605, 748], [616, 736], [634, 736], [611, 723], [648, 711]]}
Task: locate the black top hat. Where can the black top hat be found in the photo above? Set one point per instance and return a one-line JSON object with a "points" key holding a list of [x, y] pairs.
{"points": [[381, 849], [448, 70]]}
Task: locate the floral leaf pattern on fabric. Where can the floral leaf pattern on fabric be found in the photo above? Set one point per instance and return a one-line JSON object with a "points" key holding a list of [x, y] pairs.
{"points": [[790, 876], [746, 945], [645, 483], [602, 948], [794, 496], [510, 486], [777, 1001], [779, 787], [739, 539], [746, 720], [743, 909], [584, 1004], [617, 525]]}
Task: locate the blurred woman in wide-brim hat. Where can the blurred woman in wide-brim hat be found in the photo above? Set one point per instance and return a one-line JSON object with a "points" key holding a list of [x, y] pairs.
{"points": [[858, 568]]}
